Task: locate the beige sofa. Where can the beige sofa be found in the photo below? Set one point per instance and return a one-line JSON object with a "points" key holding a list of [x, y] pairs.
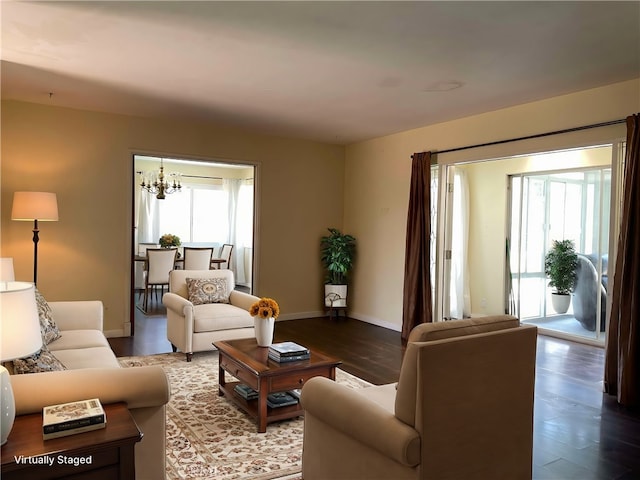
{"points": [[462, 409], [194, 328], [93, 371]]}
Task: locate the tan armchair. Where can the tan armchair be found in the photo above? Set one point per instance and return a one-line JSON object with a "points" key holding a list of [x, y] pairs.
{"points": [[462, 409], [194, 328]]}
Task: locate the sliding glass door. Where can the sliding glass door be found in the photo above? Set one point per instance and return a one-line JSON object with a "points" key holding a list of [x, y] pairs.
{"points": [[550, 206]]}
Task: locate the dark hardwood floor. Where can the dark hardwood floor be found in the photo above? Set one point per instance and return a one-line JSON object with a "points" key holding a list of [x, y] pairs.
{"points": [[579, 432]]}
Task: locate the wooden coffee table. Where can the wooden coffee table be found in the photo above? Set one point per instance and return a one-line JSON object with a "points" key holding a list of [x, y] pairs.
{"points": [[251, 365]]}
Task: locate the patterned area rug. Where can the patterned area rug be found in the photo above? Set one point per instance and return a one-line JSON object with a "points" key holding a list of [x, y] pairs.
{"points": [[209, 437]]}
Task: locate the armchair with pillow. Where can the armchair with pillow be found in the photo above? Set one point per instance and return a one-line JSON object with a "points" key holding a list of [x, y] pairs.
{"points": [[462, 409], [203, 307]]}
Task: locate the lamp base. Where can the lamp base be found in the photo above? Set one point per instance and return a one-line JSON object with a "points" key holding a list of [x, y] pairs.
{"points": [[7, 405]]}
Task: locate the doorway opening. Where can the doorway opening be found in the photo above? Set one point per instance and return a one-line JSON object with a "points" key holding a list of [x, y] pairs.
{"points": [[499, 217], [214, 207]]}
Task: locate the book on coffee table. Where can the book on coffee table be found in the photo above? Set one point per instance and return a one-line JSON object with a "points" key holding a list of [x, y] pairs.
{"points": [[246, 392], [288, 351], [71, 418], [281, 399]]}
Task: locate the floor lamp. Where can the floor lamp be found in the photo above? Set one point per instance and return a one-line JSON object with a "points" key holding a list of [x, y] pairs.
{"points": [[35, 206]]}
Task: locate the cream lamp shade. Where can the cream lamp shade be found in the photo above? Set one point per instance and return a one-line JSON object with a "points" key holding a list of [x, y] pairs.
{"points": [[19, 336], [19, 324], [42, 206], [6, 270]]}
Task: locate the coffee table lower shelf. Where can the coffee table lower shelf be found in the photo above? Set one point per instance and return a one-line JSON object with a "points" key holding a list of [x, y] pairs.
{"points": [[251, 406]]}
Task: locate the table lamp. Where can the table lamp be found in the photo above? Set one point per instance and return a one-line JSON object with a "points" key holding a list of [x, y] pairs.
{"points": [[35, 206], [19, 337], [6, 270]]}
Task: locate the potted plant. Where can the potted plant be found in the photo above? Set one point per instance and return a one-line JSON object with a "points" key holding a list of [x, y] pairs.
{"points": [[560, 265], [337, 255]]}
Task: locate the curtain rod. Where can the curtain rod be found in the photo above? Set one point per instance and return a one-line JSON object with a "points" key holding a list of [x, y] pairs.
{"points": [[529, 137]]}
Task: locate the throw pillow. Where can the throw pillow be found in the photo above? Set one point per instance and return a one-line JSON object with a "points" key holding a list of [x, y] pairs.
{"points": [[48, 327], [208, 290], [42, 361]]}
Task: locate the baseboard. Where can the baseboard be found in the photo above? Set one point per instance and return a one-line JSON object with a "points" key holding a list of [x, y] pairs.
{"points": [[300, 315], [115, 333], [375, 321]]}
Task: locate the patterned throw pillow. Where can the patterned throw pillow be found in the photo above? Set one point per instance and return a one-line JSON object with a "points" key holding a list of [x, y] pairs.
{"points": [[48, 327], [42, 361], [208, 290]]}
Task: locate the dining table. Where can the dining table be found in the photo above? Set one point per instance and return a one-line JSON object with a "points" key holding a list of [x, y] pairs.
{"points": [[215, 262]]}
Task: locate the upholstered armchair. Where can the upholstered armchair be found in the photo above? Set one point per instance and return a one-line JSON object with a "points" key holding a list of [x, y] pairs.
{"points": [[462, 409], [222, 313]]}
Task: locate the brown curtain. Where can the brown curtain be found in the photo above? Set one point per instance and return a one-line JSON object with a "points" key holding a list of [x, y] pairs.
{"points": [[416, 302], [622, 358]]}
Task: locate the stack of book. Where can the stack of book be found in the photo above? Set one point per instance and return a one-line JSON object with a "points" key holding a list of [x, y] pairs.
{"points": [[288, 352], [281, 399], [71, 418], [245, 391]]}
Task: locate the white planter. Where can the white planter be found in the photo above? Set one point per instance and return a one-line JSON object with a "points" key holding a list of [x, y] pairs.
{"points": [[335, 295], [264, 330], [560, 303]]}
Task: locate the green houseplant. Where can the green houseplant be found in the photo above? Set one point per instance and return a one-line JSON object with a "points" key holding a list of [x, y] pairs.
{"points": [[337, 256], [560, 265]]}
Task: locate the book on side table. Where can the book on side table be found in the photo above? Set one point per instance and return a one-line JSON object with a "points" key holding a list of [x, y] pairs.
{"points": [[71, 418]]}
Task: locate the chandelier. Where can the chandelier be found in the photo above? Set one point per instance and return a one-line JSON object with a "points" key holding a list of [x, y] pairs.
{"points": [[157, 185]]}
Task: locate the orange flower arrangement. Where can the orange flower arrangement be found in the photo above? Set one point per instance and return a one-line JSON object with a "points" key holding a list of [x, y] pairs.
{"points": [[265, 308]]}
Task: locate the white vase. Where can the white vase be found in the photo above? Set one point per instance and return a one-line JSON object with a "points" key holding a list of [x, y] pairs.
{"points": [[264, 330], [560, 302]]}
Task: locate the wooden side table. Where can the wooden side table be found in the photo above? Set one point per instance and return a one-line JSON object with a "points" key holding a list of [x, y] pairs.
{"points": [[106, 454]]}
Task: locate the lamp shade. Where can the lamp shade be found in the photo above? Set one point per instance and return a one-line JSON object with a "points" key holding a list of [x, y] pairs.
{"points": [[42, 206], [6, 270], [19, 324]]}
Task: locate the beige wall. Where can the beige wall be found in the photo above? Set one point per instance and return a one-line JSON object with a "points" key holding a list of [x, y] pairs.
{"points": [[86, 158], [377, 178]]}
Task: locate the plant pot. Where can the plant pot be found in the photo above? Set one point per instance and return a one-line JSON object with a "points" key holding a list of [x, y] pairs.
{"points": [[335, 296], [560, 302], [264, 330]]}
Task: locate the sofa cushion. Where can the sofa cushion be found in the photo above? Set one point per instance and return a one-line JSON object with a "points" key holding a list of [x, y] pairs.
{"points": [[48, 327], [220, 316], [73, 339], [405, 404], [208, 290], [93, 357], [42, 361]]}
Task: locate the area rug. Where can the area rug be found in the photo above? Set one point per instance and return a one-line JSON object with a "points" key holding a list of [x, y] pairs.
{"points": [[210, 438]]}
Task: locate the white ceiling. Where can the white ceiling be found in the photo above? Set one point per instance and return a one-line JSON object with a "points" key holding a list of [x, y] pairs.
{"points": [[336, 72]]}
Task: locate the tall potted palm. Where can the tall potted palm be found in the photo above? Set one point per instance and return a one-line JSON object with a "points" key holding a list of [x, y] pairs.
{"points": [[560, 265], [337, 256]]}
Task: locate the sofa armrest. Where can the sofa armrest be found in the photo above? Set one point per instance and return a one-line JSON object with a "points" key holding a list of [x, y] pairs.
{"points": [[138, 387], [355, 416], [78, 315], [175, 302], [242, 300]]}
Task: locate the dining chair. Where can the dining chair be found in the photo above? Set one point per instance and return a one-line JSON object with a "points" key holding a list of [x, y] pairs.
{"points": [[197, 258], [160, 261], [225, 255]]}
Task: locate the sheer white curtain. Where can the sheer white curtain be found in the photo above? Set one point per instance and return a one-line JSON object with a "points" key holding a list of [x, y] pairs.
{"points": [[231, 187], [460, 303], [148, 223]]}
